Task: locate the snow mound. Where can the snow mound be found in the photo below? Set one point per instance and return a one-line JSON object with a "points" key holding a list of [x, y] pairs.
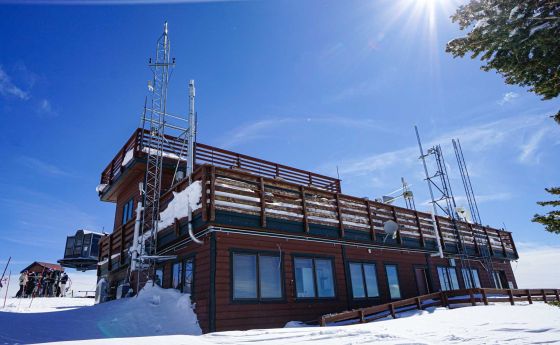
{"points": [[155, 311], [177, 207]]}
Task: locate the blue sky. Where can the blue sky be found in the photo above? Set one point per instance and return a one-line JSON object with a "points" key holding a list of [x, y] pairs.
{"points": [[313, 84]]}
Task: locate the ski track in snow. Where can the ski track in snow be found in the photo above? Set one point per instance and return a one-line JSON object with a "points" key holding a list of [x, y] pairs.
{"points": [[160, 316]]}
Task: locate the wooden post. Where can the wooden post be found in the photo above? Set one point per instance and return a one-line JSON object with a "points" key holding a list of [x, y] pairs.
{"points": [[418, 304], [304, 209], [471, 295], [484, 297], [441, 240], [339, 211], [442, 299], [213, 193], [477, 250], [323, 322], [392, 310], [490, 249], [399, 239], [510, 293], [110, 266], [370, 221], [422, 242], [362, 316], [557, 295], [529, 298], [263, 203], [204, 194], [513, 246], [544, 296]]}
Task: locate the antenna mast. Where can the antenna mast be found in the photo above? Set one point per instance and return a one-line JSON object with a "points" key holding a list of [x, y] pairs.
{"points": [[473, 207]]}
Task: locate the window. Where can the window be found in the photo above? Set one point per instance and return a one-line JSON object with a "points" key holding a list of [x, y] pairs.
{"points": [[470, 277], [128, 211], [188, 270], [448, 278], [314, 278], [256, 276], [159, 276], [69, 246], [393, 281], [176, 274], [364, 280]]}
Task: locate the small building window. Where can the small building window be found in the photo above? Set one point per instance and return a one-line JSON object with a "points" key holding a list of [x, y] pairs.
{"points": [[176, 274], [314, 278], [470, 277], [256, 276], [128, 211], [363, 277], [448, 278], [393, 281], [159, 276], [188, 278]]}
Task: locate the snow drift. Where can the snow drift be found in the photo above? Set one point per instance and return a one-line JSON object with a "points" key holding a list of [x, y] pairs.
{"points": [[155, 311]]}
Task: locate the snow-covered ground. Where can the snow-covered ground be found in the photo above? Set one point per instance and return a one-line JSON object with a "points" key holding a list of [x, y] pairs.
{"points": [[159, 316]]}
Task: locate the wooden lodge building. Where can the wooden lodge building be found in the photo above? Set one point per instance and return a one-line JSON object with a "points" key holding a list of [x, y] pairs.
{"points": [[282, 244]]}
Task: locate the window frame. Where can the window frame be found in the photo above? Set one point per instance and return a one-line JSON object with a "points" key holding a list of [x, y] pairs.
{"points": [[470, 277], [257, 254], [333, 272], [448, 277], [127, 211], [362, 263], [385, 264]]}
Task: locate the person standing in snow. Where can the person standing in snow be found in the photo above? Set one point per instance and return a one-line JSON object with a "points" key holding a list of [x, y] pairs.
{"points": [[63, 281], [30, 284], [22, 284]]}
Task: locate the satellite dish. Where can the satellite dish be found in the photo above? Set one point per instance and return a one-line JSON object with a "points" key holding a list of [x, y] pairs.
{"points": [[390, 227]]}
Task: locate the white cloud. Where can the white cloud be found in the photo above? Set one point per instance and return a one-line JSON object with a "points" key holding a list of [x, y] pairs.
{"points": [[42, 167], [45, 108], [508, 97], [528, 153], [9, 89], [537, 266]]}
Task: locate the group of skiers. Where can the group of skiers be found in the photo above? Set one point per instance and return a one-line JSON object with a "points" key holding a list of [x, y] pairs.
{"points": [[49, 283]]}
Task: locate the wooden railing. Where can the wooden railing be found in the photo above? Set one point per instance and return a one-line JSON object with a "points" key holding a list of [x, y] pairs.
{"points": [[206, 154], [441, 299]]}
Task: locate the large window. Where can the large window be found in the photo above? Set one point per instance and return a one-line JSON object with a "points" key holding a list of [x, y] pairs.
{"points": [[176, 273], [159, 276], [470, 277], [364, 280], [256, 276], [128, 211], [448, 278], [188, 271], [314, 278], [393, 281]]}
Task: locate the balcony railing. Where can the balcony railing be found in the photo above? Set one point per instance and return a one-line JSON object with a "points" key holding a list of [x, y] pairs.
{"points": [[138, 144]]}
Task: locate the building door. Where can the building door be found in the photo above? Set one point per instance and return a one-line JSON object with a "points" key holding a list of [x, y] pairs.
{"points": [[500, 280], [421, 281]]}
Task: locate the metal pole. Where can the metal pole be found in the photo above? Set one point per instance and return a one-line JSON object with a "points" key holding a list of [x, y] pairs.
{"points": [[434, 209]]}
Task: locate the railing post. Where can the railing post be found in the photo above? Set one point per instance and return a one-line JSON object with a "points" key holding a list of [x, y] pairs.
{"points": [[510, 293], [422, 242], [490, 249], [323, 322], [529, 298], [362, 316], [370, 221], [484, 297], [213, 193], [392, 310], [471, 295], [304, 209], [340, 220], [418, 304], [557, 295], [399, 239], [443, 299], [544, 296], [263, 203]]}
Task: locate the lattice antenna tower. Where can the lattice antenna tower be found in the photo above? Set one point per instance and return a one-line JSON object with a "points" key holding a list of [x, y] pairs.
{"points": [[439, 181], [473, 207], [158, 125]]}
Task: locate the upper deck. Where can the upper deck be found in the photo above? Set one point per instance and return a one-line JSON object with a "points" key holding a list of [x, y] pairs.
{"points": [[250, 194], [137, 146]]}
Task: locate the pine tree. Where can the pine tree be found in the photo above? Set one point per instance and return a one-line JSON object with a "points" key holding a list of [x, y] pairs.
{"points": [[551, 221], [520, 39]]}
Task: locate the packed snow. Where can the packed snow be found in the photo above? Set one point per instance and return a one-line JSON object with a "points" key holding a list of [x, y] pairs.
{"points": [[165, 316], [177, 207], [155, 311], [128, 157]]}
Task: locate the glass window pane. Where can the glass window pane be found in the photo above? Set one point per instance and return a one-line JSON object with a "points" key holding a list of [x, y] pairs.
{"points": [[176, 274], [393, 279], [305, 285], [358, 290], [454, 280], [130, 209], [159, 276], [325, 280], [270, 277], [371, 280], [125, 213], [476, 278], [244, 276], [188, 278], [466, 278], [443, 278]]}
